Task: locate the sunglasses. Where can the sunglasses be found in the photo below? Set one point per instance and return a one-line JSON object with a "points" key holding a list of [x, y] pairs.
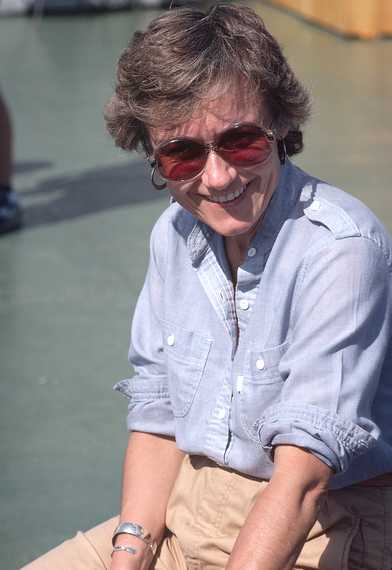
{"points": [[242, 145]]}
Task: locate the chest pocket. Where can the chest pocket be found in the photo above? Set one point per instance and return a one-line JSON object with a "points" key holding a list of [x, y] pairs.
{"points": [[262, 385], [186, 357]]}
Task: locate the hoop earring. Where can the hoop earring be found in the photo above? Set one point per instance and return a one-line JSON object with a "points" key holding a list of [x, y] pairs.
{"points": [[157, 185], [282, 151]]}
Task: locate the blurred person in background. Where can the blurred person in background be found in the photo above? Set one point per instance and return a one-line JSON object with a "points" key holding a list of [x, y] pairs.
{"points": [[259, 413], [10, 210]]}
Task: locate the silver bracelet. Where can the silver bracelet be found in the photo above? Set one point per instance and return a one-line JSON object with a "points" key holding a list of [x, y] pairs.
{"points": [[136, 530], [121, 548]]}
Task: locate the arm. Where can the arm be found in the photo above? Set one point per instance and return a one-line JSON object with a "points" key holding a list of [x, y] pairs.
{"points": [[151, 466], [283, 514], [152, 460], [339, 335]]}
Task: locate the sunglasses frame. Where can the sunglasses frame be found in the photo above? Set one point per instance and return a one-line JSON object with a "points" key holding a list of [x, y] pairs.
{"points": [[208, 147]]}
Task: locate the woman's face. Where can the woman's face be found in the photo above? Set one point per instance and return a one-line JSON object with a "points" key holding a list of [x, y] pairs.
{"points": [[220, 179]]}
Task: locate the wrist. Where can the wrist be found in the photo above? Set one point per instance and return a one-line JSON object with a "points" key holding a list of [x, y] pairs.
{"points": [[122, 560], [137, 532], [140, 550], [131, 550]]}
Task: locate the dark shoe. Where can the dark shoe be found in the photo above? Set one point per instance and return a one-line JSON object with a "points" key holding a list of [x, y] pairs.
{"points": [[10, 212]]}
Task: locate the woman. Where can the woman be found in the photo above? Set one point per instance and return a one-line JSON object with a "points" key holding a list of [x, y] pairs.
{"points": [[259, 412]]}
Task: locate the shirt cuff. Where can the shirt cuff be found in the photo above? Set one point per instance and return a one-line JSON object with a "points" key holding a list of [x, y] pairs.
{"points": [[149, 407], [335, 440]]}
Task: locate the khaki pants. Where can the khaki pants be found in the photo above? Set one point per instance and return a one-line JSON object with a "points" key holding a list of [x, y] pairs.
{"points": [[207, 509]]}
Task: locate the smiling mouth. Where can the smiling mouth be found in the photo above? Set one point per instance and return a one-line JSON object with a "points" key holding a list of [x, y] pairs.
{"points": [[228, 198]]}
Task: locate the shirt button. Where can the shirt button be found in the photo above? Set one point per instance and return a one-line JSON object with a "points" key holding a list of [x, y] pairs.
{"points": [[315, 205], [220, 413], [244, 304], [170, 340], [260, 364], [252, 252], [240, 382]]}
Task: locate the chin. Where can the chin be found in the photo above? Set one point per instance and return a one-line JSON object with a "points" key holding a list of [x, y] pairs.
{"points": [[233, 230]]}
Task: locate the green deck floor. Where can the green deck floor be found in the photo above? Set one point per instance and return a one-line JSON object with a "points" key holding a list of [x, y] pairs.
{"points": [[69, 280]]}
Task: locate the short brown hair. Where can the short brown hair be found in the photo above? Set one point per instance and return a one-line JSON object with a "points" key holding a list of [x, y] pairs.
{"points": [[167, 70]]}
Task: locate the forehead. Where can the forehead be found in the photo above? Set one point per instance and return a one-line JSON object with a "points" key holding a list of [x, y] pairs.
{"points": [[214, 114]]}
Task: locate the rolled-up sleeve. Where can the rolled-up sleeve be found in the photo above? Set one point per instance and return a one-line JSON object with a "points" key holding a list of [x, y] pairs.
{"points": [[341, 323], [149, 407]]}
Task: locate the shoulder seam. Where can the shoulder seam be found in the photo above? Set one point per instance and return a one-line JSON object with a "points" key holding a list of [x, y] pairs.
{"points": [[350, 228], [382, 250]]}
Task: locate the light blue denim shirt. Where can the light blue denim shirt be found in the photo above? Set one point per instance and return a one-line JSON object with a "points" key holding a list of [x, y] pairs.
{"points": [[298, 353]]}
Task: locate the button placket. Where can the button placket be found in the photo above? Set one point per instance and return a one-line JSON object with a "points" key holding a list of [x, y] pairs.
{"points": [[171, 340], [244, 304]]}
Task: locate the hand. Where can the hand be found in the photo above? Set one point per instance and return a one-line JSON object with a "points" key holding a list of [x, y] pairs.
{"points": [[125, 561]]}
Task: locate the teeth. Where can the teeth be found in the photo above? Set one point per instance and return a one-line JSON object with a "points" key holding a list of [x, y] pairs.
{"points": [[228, 197]]}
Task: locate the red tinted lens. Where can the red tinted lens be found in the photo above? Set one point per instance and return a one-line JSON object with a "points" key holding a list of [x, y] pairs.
{"points": [[181, 160], [245, 145]]}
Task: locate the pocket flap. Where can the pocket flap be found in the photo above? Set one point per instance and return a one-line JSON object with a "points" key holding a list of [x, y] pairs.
{"points": [[263, 365]]}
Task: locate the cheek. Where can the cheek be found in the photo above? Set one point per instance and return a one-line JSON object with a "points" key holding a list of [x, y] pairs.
{"points": [[264, 172], [183, 196], [176, 190], [269, 173]]}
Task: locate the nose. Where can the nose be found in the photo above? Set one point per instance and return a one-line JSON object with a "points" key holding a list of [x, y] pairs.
{"points": [[218, 174]]}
